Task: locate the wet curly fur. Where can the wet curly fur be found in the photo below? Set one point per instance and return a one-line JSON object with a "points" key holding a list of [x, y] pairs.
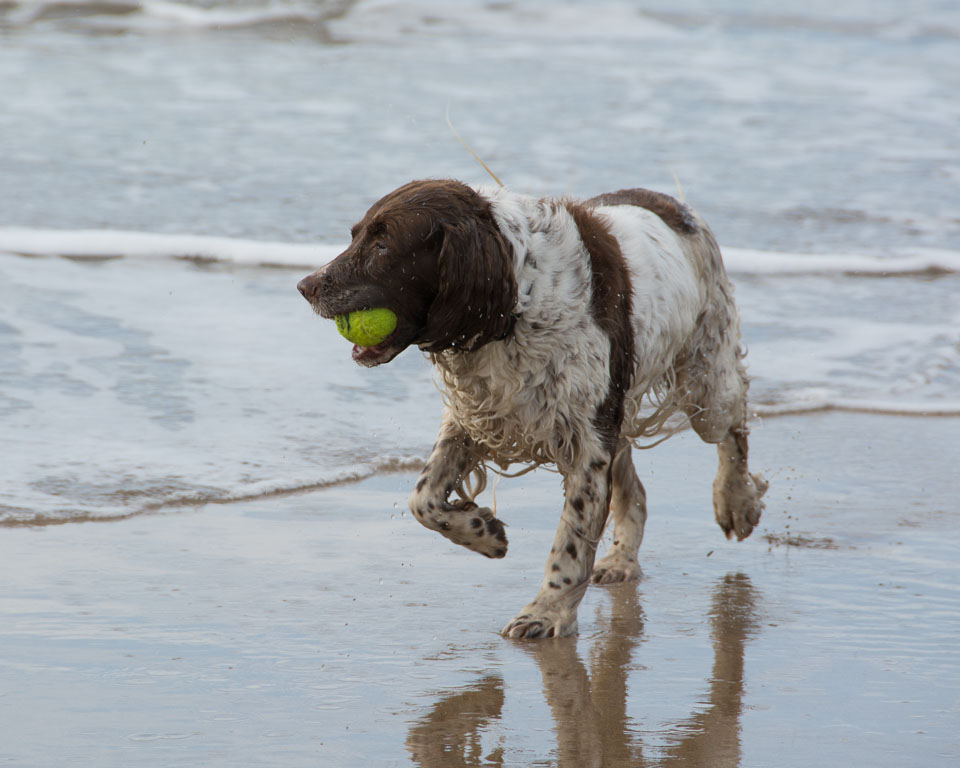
{"points": [[563, 331]]}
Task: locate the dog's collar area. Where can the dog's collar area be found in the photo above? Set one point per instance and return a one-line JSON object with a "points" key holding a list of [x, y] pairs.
{"points": [[425, 346]]}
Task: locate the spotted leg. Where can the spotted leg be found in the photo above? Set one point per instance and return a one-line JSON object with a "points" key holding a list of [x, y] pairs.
{"points": [[553, 612], [453, 458], [628, 504]]}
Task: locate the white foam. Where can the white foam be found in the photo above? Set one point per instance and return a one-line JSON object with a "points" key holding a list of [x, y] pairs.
{"points": [[90, 243], [298, 483], [534, 19], [161, 14], [199, 17], [748, 261]]}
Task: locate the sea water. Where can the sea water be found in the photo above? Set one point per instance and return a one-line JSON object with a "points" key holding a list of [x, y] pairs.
{"points": [[168, 172]]}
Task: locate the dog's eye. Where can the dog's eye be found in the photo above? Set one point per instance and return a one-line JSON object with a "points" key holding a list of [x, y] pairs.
{"points": [[381, 247]]}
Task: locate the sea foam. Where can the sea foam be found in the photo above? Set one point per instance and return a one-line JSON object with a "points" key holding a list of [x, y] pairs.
{"points": [[116, 244]]}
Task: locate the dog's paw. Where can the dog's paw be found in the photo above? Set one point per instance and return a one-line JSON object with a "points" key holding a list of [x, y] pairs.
{"points": [[614, 569], [738, 504], [533, 622], [476, 528]]}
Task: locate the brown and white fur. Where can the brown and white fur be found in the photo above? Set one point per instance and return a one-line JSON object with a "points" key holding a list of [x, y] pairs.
{"points": [[549, 321]]}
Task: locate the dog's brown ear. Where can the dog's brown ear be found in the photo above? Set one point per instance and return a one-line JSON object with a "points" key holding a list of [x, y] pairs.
{"points": [[477, 288]]}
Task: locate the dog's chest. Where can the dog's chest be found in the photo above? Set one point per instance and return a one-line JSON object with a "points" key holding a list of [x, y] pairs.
{"points": [[531, 397]]}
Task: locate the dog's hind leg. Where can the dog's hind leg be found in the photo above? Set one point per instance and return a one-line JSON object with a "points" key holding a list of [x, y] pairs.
{"points": [[737, 493], [719, 416], [453, 458], [628, 503]]}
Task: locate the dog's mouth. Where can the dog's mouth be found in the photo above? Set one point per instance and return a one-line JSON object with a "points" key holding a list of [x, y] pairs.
{"points": [[382, 353], [348, 301]]}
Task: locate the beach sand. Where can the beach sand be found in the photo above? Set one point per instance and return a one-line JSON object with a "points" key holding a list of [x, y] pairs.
{"points": [[329, 629]]}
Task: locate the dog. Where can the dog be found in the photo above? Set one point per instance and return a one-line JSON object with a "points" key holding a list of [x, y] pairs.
{"points": [[563, 331]]}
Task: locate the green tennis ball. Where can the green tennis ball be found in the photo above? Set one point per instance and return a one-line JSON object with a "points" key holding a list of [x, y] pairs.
{"points": [[367, 327]]}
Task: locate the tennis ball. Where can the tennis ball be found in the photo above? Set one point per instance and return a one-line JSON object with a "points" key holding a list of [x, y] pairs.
{"points": [[367, 327]]}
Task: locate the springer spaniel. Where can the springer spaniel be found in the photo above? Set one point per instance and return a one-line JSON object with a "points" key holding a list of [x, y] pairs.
{"points": [[549, 321]]}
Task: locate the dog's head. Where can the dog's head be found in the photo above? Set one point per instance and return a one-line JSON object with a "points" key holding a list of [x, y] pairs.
{"points": [[432, 253]]}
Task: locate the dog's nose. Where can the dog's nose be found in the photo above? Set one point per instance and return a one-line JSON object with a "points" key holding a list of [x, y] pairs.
{"points": [[308, 286]]}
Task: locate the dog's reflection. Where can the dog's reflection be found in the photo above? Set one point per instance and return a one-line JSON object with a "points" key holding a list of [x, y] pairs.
{"points": [[450, 735], [590, 709]]}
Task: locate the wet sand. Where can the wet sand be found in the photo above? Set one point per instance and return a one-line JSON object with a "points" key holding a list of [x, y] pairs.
{"points": [[328, 628]]}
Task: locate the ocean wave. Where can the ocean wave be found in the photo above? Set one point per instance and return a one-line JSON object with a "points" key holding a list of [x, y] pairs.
{"points": [[921, 261], [117, 244], [282, 487], [378, 20], [930, 408], [145, 15], [354, 21], [14, 516]]}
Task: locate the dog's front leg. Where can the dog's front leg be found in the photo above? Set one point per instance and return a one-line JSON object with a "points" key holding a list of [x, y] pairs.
{"points": [[553, 612], [453, 458]]}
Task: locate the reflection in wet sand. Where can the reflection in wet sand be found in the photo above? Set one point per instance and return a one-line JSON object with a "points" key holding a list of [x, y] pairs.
{"points": [[449, 735], [712, 737], [590, 709]]}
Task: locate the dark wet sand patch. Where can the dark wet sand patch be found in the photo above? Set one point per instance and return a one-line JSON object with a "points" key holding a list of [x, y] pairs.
{"points": [[799, 540]]}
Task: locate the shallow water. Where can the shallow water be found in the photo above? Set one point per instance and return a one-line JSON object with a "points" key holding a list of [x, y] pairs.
{"points": [[829, 127], [138, 384], [169, 172]]}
